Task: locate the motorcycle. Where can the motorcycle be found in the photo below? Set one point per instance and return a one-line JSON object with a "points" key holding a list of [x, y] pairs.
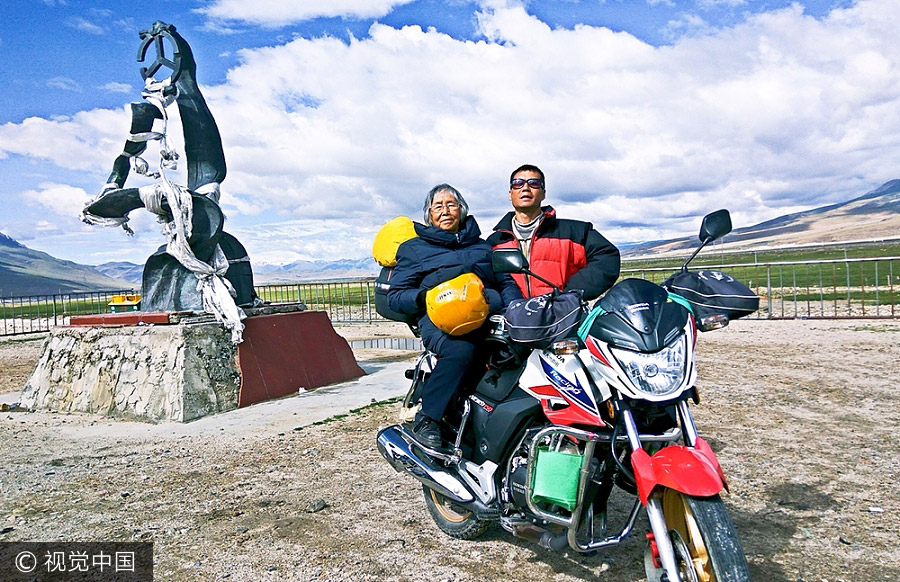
{"points": [[550, 435]]}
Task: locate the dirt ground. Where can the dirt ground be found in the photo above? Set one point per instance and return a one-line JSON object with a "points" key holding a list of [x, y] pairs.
{"points": [[803, 415]]}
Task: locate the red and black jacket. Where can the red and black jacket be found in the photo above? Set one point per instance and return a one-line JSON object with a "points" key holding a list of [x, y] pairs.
{"points": [[568, 252]]}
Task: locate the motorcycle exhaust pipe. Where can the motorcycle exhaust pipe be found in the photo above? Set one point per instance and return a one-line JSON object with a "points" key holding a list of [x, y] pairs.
{"points": [[541, 536], [398, 452]]}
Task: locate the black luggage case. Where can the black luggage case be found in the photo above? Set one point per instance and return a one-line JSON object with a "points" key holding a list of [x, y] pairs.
{"points": [[713, 292], [382, 285]]}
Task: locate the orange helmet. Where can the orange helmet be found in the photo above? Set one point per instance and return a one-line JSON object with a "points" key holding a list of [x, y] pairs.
{"points": [[457, 306]]}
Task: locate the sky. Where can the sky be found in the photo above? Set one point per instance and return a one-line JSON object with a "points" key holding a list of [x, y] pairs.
{"points": [[337, 116]]}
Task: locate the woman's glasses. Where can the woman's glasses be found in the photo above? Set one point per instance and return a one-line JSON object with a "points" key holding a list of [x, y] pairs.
{"points": [[519, 183], [449, 206]]}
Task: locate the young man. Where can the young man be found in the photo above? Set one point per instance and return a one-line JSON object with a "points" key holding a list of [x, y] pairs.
{"points": [[570, 253]]}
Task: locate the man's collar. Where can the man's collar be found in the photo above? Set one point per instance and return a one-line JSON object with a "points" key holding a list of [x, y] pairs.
{"points": [[506, 222]]}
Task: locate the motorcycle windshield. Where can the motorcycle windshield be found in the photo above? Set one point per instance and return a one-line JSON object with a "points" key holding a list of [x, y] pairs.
{"points": [[638, 316]]}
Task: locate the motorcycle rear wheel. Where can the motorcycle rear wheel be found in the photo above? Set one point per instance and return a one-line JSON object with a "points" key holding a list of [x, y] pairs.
{"points": [[708, 535], [462, 525]]}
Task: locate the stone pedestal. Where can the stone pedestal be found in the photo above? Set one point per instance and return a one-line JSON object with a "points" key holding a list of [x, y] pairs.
{"points": [[185, 370]]}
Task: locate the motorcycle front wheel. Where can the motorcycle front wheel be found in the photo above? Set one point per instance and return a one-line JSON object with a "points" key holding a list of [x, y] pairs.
{"points": [[451, 519], [706, 543]]}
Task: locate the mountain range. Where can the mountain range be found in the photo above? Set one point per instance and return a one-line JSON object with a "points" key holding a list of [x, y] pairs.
{"points": [[872, 216], [26, 272]]}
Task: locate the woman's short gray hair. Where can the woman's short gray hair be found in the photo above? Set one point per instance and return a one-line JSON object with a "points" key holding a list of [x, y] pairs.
{"points": [[463, 207]]}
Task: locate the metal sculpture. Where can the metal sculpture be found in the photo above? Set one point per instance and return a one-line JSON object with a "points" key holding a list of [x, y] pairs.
{"points": [[201, 268]]}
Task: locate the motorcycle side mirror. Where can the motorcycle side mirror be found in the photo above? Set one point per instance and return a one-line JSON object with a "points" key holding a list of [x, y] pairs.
{"points": [[508, 261], [715, 225]]}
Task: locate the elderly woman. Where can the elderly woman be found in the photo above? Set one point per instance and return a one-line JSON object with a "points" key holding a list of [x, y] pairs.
{"points": [[448, 245]]}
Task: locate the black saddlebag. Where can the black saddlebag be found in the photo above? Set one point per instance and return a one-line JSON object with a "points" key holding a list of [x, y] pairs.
{"points": [[382, 286], [713, 292], [542, 320]]}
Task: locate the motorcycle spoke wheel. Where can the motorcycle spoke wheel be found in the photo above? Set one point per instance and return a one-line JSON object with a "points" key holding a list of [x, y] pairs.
{"points": [[450, 519], [686, 564], [706, 544]]}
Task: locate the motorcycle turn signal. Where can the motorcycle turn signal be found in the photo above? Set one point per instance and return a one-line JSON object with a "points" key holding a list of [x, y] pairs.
{"points": [[564, 347], [711, 322]]}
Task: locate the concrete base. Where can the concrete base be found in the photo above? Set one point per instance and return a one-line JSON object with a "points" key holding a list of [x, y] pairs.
{"points": [[185, 371]]}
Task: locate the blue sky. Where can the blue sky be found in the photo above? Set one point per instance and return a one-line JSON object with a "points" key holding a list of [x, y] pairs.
{"points": [[338, 116]]}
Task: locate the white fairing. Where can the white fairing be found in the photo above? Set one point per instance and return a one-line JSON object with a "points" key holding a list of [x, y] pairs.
{"points": [[566, 374]]}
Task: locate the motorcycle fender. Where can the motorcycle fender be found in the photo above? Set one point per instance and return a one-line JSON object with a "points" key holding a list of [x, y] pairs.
{"points": [[690, 470]]}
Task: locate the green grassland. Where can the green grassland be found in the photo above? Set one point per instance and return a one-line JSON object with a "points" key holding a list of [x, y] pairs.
{"points": [[56, 306], [319, 295], [711, 255], [853, 267]]}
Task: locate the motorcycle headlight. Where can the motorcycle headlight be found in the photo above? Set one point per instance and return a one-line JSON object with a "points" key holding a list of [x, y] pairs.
{"points": [[659, 373]]}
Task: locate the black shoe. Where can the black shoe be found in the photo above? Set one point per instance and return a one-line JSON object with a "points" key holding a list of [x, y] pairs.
{"points": [[427, 432]]}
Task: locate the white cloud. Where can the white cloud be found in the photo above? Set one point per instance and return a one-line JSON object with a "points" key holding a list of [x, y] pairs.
{"points": [[43, 226], [84, 25], [710, 4], [62, 199], [89, 140], [64, 83], [275, 13], [113, 87], [780, 113], [306, 240]]}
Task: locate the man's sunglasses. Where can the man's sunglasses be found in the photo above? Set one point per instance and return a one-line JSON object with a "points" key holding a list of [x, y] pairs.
{"points": [[519, 183]]}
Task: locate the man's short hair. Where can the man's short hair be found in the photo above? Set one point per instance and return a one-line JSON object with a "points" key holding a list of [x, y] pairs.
{"points": [[529, 168]]}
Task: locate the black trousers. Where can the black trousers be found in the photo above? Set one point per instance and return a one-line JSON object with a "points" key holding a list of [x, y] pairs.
{"points": [[455, 356]]}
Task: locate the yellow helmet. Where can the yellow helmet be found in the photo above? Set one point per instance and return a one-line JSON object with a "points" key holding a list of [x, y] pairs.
{"points": [[389, 238], [457, 306]]}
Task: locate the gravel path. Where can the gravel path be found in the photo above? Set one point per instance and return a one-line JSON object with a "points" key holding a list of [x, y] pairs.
{"points": [[804, 416]]}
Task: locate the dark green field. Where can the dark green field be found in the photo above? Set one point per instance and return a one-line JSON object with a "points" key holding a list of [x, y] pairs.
{"points": [[712, 256], [861, 270]]}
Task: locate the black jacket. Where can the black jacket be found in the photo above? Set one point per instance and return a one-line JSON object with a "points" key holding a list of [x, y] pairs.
{"points": [[436, 256]]}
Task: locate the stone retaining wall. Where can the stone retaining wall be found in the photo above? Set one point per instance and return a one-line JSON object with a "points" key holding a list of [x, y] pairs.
{"points": [[169, 372]]}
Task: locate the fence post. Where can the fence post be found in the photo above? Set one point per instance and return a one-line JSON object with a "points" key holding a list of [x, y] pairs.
{"points": [[862, 286], [847, 267], [769, 288], [877, 286], [794, 287]]}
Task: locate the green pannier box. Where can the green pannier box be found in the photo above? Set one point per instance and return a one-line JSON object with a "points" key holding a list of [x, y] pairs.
{"points": [[555, 478]]}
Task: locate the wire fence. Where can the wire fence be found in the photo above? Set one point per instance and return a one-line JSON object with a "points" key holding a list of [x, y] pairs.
{"points": [[38, 313], [866, 288]]}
